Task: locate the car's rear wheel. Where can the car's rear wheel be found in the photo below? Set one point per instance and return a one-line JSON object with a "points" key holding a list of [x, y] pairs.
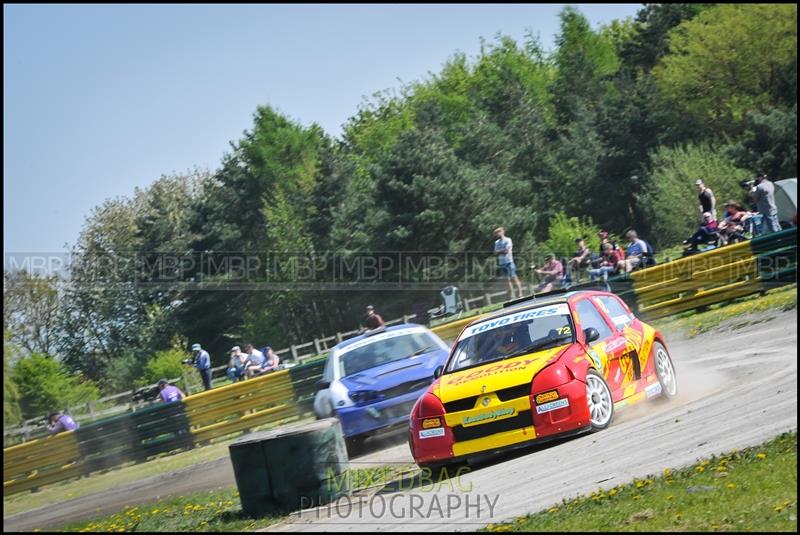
{"points": [[665, 371], [598, 397]]}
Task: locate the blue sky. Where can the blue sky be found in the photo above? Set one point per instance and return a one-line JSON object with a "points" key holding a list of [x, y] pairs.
{"points": [[99, 100]]}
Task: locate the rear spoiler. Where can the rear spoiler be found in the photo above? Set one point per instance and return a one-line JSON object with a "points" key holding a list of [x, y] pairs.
{"points": [[560, 291]]}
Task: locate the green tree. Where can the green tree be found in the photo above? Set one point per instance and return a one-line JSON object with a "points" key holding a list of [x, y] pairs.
{"points": [[12, 413], [585, 60], [31, 310], [45, 385], [669, 198], [769, 143], [164, 365], [563, 232], [729, 60]]}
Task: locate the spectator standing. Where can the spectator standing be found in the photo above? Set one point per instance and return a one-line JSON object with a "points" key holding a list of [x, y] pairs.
{"points": [[634, 255], [552, 271], [237, 365], [609, 260], [503, 250], [373, 320], [202, 361], [581, 258], [61, 422], [763, 193], [707, 201], [255, 360], [168, 392]]}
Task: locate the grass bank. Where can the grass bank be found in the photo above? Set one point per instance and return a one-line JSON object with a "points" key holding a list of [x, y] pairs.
{"points": [[736, 314], [215, 510], [750, 490]]}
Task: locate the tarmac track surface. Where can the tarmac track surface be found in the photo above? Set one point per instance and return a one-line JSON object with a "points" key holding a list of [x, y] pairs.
{"points": [[736, 389]]}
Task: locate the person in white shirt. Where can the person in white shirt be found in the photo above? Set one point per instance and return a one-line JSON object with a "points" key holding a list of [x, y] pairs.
{"points": [[255, 360], [503, 249]]}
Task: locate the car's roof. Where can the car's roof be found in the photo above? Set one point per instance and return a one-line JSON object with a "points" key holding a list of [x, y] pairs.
{"points": [[535, 302], [354, 339]]}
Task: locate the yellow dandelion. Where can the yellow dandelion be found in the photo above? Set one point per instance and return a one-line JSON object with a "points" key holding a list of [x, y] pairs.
{"points": [[667, 472], [731, 486], [700, 469], [761, 455], [670, 497]]}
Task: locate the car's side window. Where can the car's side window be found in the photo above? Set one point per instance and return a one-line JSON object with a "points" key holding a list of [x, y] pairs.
{"points": [[614, 309], [589, 316]]}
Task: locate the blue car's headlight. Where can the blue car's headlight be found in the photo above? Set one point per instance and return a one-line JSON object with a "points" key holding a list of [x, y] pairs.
{"points": [[363, 396]]}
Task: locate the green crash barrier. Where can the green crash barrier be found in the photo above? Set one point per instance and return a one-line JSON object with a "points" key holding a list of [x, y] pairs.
{"points": [[106, 443], [161, 428], [304, 378]]}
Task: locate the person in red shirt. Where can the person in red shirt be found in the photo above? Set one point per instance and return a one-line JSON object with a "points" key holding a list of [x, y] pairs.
{"points": [[373, 319], [552, 271], [609, 260]]}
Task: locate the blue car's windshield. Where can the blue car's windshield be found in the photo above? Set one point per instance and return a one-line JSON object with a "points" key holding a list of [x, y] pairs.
{"points": [[384, 349], [513, 335]]}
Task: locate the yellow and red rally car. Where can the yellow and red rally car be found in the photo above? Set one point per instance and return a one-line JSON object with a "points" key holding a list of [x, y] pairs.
{"points": [[539, 370]]}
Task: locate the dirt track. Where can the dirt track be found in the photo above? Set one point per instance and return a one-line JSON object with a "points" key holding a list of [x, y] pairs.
{"points": [[736, 389]]}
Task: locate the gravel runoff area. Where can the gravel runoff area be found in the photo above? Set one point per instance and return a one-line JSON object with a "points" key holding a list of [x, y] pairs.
{"points": [[737, 388]]}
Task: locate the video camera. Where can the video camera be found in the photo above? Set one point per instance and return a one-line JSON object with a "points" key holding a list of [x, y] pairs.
{"points": [[747, 184], [146, 394], [188, 362]]}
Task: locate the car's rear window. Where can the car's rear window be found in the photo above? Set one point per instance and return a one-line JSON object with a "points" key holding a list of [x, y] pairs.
{"points": [[383, 350], [512, 335]]}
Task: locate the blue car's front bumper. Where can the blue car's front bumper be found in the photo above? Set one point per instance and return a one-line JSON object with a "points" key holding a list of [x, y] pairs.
{"points": [[361, 419]]}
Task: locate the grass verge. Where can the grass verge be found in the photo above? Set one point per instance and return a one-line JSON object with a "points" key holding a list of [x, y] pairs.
{"points": [[750, 490], [115, 477], [214, 510], [736, 314]]}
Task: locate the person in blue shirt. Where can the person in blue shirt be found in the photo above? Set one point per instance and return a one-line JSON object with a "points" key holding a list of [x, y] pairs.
{"points": [[202, 361], [634, 254], [503, 250]]}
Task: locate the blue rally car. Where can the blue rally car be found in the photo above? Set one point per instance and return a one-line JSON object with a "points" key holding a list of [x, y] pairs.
{"points": [[372, 381]]}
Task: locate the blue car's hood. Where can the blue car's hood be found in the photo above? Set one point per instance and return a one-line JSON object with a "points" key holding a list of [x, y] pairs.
{"points": [[395, 373]]}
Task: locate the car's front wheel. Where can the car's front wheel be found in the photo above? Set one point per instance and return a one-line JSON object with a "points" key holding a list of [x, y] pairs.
{"points": [[598, 397]]}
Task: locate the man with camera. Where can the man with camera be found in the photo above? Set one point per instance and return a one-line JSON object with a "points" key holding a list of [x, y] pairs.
{"points": [[762, 192], [202, 361]]}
